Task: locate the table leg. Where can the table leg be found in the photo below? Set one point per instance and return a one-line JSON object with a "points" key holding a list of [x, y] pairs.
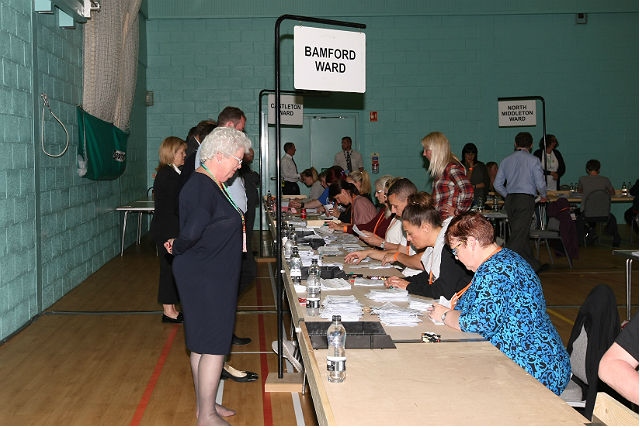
{"points": [[124, 229], [628, 266], [139, 235]]}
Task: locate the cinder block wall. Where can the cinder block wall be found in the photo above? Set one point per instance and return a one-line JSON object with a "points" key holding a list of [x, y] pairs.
{"points": [[57, 228]]}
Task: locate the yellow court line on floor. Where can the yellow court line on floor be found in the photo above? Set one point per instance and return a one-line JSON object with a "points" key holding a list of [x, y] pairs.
{"points": [[563, 318]]}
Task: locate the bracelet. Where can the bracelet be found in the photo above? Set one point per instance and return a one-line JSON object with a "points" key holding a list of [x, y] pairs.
{"points": [[395, 256], [345, 228], [444, 315], [382, 245]]}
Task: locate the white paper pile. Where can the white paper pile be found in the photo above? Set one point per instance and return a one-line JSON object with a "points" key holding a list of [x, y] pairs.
{"points": [[334, 284], [366, 282], [347, 307], [393, 315], [420, 305], [389, 295]]}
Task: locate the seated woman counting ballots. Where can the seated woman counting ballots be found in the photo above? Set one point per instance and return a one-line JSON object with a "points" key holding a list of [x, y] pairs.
{"points": [[329, 176], [359, 208], [504, 303], [443, 275], [374, 232]]}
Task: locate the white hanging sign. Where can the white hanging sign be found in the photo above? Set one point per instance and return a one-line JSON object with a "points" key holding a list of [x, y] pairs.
{"points": [[291, 109], [329, 60], [517, 113]]}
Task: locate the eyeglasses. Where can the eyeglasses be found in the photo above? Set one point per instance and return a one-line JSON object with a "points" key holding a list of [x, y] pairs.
{"points": [[381, 191], [238, 159], [454, 250]]}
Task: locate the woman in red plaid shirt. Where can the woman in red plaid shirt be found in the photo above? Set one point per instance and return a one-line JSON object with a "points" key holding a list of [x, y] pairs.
{"points": [[452, 190]]}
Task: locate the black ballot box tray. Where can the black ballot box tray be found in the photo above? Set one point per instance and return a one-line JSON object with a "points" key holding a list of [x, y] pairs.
{"points": [[360, 335]]}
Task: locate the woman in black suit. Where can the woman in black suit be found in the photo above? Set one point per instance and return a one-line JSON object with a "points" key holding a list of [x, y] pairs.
{"points": [[165, 223]]}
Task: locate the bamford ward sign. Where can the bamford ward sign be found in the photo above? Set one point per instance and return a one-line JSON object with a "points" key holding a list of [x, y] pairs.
{"points": [[517, 113], [329, 60]]}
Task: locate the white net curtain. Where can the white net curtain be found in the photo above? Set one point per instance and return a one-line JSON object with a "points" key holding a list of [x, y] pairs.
{"points": [[110, 61]]}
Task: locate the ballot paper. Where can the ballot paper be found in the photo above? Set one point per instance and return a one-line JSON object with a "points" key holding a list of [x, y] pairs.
{"points": [[366, 282], [359, 232], [420, 305], [444, 302], [347, 307], [393, 315], [389, 295], [334, 284]]}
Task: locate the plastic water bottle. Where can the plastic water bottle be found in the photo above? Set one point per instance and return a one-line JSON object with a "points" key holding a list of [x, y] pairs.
{"points": [[313, 289], [295, 267], [624, 191], [290, 242], [336, 356]]}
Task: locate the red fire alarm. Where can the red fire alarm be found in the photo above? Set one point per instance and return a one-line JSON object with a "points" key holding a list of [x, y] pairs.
{"points": [[373, 116]]}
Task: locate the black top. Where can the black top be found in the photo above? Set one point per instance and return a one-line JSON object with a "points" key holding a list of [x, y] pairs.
{"points": [[453, 278]]}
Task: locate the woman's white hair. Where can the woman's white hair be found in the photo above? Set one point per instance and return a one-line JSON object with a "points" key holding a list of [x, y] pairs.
{"points": [[223, 140]]}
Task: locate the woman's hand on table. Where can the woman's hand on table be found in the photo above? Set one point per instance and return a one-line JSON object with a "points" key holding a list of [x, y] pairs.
{"points": [[168, 245], [436, 312], [396, 282], [294, 203], [371, 238], [336, 225], [356, 257]]}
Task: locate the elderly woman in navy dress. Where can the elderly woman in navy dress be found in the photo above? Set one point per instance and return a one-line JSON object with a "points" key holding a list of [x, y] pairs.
{"points": [[208, 255]]}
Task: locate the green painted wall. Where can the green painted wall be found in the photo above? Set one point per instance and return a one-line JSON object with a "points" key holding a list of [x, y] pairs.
{"points": [[57, 228], [430, 66]]}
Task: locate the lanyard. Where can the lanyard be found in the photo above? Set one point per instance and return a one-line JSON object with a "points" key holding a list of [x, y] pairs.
{"points": [[456, 296], [226, 194], [378, 223]]}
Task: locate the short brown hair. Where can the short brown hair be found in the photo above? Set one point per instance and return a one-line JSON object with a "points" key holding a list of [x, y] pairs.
{"points": [[168, 149], [470, 224]]}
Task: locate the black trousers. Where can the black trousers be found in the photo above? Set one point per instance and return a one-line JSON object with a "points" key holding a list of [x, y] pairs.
{"points": [[290, 188], [167, 290]]}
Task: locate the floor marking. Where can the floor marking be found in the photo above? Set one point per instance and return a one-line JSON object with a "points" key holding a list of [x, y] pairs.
{"points": [[557, 315], [264, 366], [155, 375]]}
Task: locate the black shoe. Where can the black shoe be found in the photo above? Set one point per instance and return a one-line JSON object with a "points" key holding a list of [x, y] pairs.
{"points": [[178, 320], [542, 268], [248, 376], [240, 340]]}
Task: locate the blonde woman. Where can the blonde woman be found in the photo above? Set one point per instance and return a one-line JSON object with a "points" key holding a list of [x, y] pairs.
{"points": [[362, 182], [165, 223], [452, 190]]}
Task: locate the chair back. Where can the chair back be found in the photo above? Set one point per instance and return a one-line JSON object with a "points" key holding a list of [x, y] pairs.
{"points": [[597, 204], [598, 318]]}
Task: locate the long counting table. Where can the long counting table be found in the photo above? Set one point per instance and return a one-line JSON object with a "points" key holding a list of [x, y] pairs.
{"points": [[462, 380]]}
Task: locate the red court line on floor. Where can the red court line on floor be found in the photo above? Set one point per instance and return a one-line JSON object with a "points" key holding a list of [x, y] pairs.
{"points": [[151, 385], [264, 366]]}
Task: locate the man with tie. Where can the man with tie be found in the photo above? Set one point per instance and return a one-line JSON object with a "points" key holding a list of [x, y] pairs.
{"points": [[289, 171], [348, 159]]}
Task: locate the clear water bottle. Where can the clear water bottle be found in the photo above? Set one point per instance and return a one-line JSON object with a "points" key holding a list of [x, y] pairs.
{"points": [[336, 356], [313, 289], [290, 242], [624, 191], [295, 266]]}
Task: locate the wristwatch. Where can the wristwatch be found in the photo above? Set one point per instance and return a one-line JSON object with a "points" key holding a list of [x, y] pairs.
{"points": [[382, 245], [444, 316]]}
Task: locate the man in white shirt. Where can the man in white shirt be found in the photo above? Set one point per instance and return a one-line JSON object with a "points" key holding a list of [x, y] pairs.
{"points": [[348, 159], [289, 171]]}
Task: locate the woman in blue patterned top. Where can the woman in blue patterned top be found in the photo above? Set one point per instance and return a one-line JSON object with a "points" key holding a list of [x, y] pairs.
{"points": [[504, 303]]}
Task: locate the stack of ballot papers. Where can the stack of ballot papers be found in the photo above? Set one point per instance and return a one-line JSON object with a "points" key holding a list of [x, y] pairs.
{"points": [[420, 305], [389, 295], [393, 315], [347, 307], [365, 282], [334, 284]]}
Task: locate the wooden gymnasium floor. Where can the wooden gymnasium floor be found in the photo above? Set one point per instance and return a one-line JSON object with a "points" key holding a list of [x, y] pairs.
{"points": [[101, 356]]}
